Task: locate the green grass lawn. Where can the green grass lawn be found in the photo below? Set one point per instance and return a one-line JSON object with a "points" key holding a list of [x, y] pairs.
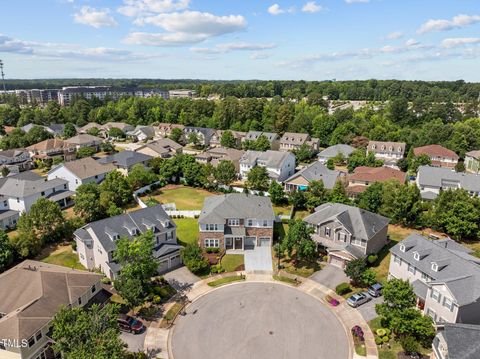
{"points": [[282, 210], [284, 279], [226, 280], [230, 262], [60, 255], [185, 198], [187, 230], [302, 268]]}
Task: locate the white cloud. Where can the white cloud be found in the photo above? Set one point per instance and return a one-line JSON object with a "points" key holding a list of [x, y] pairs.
{"points": [[260, 56], [456, 22], [312, 7], [9, 44], [233, 46], [133, 8], [394, 35], [93, 17], [460, 41], [411, 42], [356, 1], [163, 39], [275, 9]]}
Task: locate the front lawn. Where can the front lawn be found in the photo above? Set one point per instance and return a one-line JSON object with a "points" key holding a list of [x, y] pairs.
{"points": [[226, 280], [282, 278], [187, 230], [301, 268], [233, 262], [185, 198], [61, 255]]}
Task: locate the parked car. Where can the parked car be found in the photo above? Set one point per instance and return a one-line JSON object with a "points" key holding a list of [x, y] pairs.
{"points": [[358, 299], [130, 324], [375, 290]]}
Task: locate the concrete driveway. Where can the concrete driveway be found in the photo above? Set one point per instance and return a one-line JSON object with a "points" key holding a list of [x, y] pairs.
{"points": [[134, 341], [258, 321], [367, 310], [181, 278], [330, 276], [259, 258]]}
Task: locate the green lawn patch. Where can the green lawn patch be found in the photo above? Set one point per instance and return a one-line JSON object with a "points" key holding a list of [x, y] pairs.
{"points": [[187, 230], [282, 210], [231, 262], [185, 198], [284, 279], [171, 314], [61, 256], [226, 280], [301, 268], [361, 349]]}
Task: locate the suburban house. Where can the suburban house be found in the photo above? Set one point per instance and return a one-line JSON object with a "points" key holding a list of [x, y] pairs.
{"points": [[15, 160], [273, 138], [215, 141], [388, 152], [279, 165], [96, 240], [444, 275], [142, 133], [432, 180], [334, 151], [81, 171], [457, 341], [347, 232], [165, 129], [363, 176], [50, 149], [163, 148], [291, 141], [217, 154], [55, 129], [89, 126], [125, 160], [439, 155], [32, 292], [203, 134], [236, 221], [120, 125], [472, 161], [84, 140], [315, 172]]}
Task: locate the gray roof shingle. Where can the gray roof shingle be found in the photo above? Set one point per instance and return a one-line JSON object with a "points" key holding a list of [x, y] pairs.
{"points": [[333, 151], [463, 340], [125, 159], [316, 172], [446, 178]]}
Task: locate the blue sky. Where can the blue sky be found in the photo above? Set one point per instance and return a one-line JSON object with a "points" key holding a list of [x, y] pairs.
{"points": [[242, 39]]}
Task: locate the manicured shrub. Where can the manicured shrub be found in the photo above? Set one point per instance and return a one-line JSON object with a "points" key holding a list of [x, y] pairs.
{"points": [[387, 331], [378, 340], [381, 332], [343, 288], [372, 258], [409, 345], [385, 339], [325, 258]]}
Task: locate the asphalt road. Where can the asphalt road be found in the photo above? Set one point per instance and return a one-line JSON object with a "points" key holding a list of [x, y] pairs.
{"points": [[258, 321]]}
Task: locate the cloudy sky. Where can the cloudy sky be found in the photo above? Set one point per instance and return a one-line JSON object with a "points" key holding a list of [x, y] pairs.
{"points": [[242, 39]]}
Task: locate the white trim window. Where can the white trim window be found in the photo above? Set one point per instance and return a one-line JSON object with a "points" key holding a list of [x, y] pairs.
{"points": [[425, 277], [397, 260], [411, 269], [448, 303], [211, 227], [249, 222], [211, 242], [265, 223], [435, 294], [327, 231], [431, 314], [234, 222]]}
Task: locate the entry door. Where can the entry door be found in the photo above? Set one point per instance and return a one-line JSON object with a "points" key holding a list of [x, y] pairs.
{"points": [[238, 243], [228, 243]]}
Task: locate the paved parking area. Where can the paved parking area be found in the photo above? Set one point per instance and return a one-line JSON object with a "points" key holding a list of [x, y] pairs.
{"points": [[134, 341], [367, 310], [259, 258], [181, 278], [258, 321], [330, 276]]}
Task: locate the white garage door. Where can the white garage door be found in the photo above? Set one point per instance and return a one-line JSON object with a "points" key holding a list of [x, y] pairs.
{"points": [[264, 241], [337, 262], [163, 266], [175, 261]]}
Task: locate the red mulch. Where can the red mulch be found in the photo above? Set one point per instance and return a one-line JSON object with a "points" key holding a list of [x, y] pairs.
{"points": [[213, 258]]}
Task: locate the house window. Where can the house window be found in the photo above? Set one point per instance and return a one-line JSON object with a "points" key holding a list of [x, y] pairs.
{"points": [[265, 223], [38, 336], [397, 259], [327, 231], [64, 186], [402, 248], [250, 223], [5, 203], [31, 341], [80, 301], [233, 222], [211, 227], [448, 303], [435, 294], [435, 267], [416, 256], [425, 277], [43, 193], [93, 288], [411, 269], [211, 242], [431, 314]]}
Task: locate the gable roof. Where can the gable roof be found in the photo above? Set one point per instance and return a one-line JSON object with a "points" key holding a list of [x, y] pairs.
{"points": [[125, 158], [9, 154], [436, 151], [83, 138], [161, 146], [397, 147], [444, 177], [316, 172], [269, 158], [333, 151], [377, 174], [49, 144], [295, 138], [458, 270], [216, 209], [32, 292], [463, 340], [359, 222], [86, 167], [474, 154], [254, 135], [15, 187], [25, 175]]}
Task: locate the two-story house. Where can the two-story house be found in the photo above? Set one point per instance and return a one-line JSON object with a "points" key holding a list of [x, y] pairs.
{"points": [[216, 139], [457, 341], [388, 152], [15, 160], [89, 126], [432, 180], [236, 221], [444, 275], [347, 232], [142, 133], [472, 161], [439, 155], [292, 141], [125, 160], [279, 165], [273, 138], [84, 140], [203, 134], [334, 151], [363, 176], [317, 171], [125, 127], [96, 241], [217, 154], [31, 293], [52, 148], [163, 148], [165, 129], [81, 171]]}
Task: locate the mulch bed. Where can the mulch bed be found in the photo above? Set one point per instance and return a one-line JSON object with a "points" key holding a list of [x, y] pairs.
{"points": [[405, 356], [212, 258]]}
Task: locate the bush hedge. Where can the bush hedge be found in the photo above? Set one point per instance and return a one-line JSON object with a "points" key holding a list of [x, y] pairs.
{"points": [[343, 288]]}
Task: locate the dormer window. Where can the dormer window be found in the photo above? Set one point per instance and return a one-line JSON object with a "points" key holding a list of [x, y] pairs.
{"points": [[390, 148], [416, 256], [400, 149], [402, 248], [434, 267], [373, 147], [383, 147]]}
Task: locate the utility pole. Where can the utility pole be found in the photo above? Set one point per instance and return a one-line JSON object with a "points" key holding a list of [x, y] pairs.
{"points": [[3, 77]]}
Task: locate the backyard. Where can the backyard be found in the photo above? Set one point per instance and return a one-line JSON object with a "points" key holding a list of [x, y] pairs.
{"points": [[60, 254], [185, 198], [187, 230]]}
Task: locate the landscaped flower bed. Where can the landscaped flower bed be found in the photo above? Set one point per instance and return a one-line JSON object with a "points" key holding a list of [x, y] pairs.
{"points": [[359, 340], [332, 301]]}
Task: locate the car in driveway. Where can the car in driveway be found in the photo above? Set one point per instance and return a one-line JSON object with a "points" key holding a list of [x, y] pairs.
{"points": [[130, 324], [358, 299], [375, 290]]}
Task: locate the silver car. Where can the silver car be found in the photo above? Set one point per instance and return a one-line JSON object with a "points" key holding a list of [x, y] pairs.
{"points": [[358, 299]]}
